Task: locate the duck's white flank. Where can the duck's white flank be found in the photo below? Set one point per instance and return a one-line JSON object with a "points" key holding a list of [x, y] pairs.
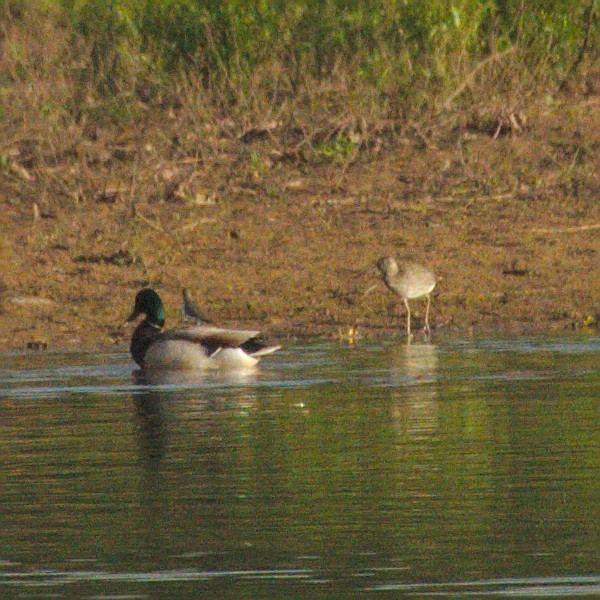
{"points": [[176, 355]]}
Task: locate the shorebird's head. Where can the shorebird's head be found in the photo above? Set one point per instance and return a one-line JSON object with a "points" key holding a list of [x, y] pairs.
{"points": [[388, 266]]}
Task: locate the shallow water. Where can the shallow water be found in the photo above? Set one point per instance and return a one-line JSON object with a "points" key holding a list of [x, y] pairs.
{"points": [[457, 469]]}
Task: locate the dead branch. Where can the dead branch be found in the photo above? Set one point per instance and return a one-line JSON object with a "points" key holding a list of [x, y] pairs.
{"points": [[469, 78]]}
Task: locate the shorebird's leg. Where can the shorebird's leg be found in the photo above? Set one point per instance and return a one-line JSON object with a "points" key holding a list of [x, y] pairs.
{"points": [[407, 318], [427, 330]]}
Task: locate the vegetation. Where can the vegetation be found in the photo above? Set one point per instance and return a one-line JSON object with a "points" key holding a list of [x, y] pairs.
{"points": [[140, 138], [356, 61]]}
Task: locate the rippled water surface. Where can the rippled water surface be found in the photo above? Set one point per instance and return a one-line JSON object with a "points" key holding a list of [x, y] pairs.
{"points": [[457, 469]]}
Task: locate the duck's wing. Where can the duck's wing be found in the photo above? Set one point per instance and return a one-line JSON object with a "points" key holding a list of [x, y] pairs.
{"points": [[258, 348], [212, 337]]}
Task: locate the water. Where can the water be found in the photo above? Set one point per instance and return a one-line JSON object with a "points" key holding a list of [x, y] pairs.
{"points": [[458, 469]]}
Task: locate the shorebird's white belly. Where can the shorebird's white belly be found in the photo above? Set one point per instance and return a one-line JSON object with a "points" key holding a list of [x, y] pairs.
{"points": [[416, 290]]}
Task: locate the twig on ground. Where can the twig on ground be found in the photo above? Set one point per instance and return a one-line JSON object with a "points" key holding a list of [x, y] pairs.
{"points": [[567, 229], [150, 224]]}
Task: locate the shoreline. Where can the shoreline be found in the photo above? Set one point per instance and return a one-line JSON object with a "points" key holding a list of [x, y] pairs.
{"points": [[511, 230]]}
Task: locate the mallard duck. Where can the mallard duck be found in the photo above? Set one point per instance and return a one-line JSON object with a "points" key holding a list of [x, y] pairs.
{"points": [[195, 347], [409, 281]]}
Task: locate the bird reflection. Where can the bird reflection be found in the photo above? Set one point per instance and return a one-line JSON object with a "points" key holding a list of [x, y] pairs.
{"points": [[196, 377], [186, 438], [413, 373], [194, 392], [414, 363], [150, 410]]}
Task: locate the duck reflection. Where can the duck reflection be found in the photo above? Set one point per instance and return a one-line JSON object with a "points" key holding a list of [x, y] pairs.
{"points": [[189, 426], [166, 395], [182, 379], [151, 416], [414, 374]]}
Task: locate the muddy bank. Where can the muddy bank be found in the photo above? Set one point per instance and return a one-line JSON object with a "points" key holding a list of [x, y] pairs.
{"points": [[511, 226]]}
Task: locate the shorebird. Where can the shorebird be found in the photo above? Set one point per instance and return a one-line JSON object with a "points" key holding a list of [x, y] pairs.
{"points": [[190, 311], [409, 281]]}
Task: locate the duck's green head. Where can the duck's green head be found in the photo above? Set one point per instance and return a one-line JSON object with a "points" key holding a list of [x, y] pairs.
{"points": [[148, 302]]}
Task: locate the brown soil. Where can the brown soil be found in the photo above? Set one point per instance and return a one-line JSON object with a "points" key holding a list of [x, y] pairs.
{"points": [[509, 219]]}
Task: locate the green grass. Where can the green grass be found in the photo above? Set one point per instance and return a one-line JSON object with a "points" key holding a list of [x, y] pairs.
{"points": [[388, 44], [329, 63]]}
